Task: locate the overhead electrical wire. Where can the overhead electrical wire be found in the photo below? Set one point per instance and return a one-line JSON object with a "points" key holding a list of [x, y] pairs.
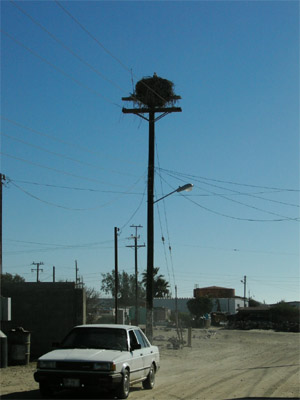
{"points": [[167, 226], [53, 247], [105, 49], [134, 213], [58, 205], [60, 70], [229, 182], [61, 155], [235, 217], [244, 204], [163, 242], [73, 188], [79, 57], [69, 208], [66, 47], [254, 194], [57, 139], [238, 192], [91, 36], [58, 170]]}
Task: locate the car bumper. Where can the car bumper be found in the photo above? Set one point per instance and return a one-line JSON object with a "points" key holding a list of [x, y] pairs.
{"points": [[59, 379]]}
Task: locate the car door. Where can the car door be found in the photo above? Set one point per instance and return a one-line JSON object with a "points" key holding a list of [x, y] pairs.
{"points": [[147, 351], [137, 364]]}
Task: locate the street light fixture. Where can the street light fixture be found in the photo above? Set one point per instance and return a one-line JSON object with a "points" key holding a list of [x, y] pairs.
{"points": [[188, 187]]}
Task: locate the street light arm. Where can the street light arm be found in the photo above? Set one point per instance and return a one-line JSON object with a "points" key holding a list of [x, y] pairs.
{"points": [[188, 187], [169, 194]]}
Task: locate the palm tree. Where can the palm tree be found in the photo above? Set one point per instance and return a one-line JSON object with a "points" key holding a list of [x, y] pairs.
{"points": [[160, 285]]}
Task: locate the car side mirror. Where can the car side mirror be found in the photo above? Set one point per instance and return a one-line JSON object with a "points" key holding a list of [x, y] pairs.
{"points": [[136, 346]]}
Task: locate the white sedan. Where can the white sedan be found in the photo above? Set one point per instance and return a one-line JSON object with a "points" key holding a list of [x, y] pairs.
{"points": [[105, 357]]}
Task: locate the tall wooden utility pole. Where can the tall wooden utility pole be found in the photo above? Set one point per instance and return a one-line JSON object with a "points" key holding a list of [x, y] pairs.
{"points": [[116, 274], [151, 109], [136, 246], [244, 281], [37, 269], [2, 179], [77, 280]]}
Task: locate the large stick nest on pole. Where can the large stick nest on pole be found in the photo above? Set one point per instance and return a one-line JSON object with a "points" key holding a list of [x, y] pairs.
{"points": [[154, 92]]}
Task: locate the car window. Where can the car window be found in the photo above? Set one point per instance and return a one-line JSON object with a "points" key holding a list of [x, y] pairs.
{"points": [[141, 338], [96, 338], [132, 338]]}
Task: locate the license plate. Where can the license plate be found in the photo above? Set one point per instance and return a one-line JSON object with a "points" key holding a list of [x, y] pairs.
{"points": [[71, 383]]}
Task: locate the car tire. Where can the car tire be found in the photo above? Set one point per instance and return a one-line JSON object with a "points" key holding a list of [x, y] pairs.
{"points": [[149, 382], [45, 390], [123, 390]]}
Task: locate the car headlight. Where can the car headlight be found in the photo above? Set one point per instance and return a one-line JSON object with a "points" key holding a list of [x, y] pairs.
{"points": [[45, 364], [104, 366]]}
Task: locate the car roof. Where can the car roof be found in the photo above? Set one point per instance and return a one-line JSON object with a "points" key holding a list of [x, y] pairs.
{"points": [[111, 326]]}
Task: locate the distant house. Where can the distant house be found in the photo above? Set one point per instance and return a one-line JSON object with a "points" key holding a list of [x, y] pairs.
{"points": [[214, 292], [225, 305]]}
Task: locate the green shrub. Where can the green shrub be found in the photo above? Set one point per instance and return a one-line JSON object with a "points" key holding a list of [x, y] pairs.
{"points": [[283, 312]]}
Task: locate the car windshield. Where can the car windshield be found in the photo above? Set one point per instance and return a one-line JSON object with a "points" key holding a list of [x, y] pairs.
{"points": [[96, 338]]}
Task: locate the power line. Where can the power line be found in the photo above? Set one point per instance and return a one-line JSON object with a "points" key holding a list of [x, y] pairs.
{"points": [[229, 182], [249, 206], [64, 207], [57, 139], [79, 83], [109, 53], [239, 218], [92, 36], [247, 194], [59, 245], [241, 193], [74, 188], [58, 170], [61, 155], [283, 218], [163, 242], [167, 227], [66, 47], [134, 213]]}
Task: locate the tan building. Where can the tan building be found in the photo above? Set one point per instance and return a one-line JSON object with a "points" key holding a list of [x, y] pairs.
{"points": [[215, 292]]}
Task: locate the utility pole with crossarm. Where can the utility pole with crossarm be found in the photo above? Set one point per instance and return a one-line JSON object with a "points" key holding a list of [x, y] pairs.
{"points": [[37, 269], [136, 246], [151, 95]]}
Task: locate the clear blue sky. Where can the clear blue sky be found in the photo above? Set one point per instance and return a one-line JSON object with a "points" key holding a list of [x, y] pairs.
{"points": [[76, 166]]}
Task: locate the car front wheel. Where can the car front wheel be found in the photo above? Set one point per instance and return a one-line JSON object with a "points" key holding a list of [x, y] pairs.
{"points": [[149, 382], [123, 389]]}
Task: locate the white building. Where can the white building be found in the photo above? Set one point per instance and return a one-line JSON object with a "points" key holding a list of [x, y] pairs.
{"points": [[226, 305]]}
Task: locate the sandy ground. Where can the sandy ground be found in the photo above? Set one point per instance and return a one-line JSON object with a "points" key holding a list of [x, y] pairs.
{"points": [[220, 364]]}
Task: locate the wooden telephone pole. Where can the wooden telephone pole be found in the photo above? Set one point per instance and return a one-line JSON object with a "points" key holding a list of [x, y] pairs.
{"points": [[116, 273], [136, 246], [2, 179], [155, 105], [37, 269]]}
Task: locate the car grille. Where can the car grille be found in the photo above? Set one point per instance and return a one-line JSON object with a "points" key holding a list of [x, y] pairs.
{"points": [[74, 366]]}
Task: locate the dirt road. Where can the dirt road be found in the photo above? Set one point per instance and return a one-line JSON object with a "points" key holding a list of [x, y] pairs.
{"points": [[221, 364]]}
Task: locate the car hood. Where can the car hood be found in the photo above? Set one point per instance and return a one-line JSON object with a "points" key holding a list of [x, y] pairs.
{"points": [[84, 355]]}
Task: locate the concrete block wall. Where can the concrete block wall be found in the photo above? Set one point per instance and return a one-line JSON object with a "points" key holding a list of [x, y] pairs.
{"points": [[47, 310]]}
